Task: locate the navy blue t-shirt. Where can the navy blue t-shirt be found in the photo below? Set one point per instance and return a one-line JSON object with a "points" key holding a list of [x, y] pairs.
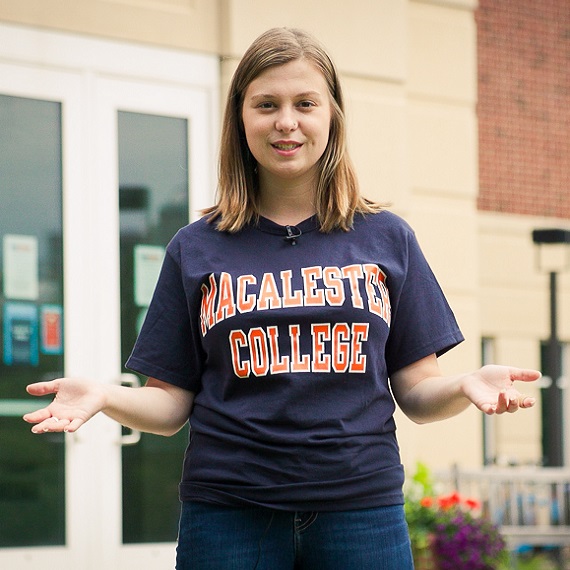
{"points": [[289, 348]]}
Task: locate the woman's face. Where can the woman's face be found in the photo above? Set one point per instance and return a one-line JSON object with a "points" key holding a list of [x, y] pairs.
{"points": [[286, 116]]}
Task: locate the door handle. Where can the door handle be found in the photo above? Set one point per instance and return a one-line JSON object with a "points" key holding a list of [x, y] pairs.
{"points": [[134, 435]]}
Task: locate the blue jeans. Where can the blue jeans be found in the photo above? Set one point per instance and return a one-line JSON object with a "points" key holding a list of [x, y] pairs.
{"points": [[224, 538]]}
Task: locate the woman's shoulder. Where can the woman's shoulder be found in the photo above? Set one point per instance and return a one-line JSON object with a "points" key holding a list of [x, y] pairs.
{"points": [[196, 234], [200, 227], [385, 222]]}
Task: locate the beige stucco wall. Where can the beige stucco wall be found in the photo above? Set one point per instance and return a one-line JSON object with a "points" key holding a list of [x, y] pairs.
{"points": [[410, 78], [186, 24], [514, 309], [442, 155]]}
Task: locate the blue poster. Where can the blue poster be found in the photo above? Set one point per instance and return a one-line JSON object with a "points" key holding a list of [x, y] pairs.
{"points": [[21, 334]]}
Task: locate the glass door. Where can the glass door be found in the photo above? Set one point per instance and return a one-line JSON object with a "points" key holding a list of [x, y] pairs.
{"points": [[32, 474], [40, 152], [156, 190], [99, 166], [153, 205]]}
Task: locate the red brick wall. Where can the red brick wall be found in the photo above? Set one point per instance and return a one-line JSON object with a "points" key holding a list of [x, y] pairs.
{"points": [[524, 106]]}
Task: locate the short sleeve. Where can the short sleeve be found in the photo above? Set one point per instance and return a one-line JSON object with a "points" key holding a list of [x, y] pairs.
{"points": [[422, 320], [168, 347]]}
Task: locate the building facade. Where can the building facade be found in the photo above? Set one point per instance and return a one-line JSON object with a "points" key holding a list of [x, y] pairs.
{"points": [[109, 123], [524, 177]]}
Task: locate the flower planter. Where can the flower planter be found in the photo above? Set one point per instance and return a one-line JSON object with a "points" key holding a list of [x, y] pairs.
{"points": [[425, 560], [450, 532]]}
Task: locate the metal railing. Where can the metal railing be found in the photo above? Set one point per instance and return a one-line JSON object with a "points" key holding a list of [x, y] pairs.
{"points": [[531, 505]]}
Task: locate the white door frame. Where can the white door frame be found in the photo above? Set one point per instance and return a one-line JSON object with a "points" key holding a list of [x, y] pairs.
{"points": [[93, 79]]}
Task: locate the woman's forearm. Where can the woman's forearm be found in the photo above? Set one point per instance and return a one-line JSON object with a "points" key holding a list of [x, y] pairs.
{"points": [[157, 408], [425, 395]]}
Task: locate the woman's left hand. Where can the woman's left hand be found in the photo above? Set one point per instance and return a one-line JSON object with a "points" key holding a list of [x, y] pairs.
{"points": [[492, 388], [426, 396]]}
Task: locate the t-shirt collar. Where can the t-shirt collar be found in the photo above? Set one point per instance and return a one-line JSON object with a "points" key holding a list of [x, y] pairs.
{"points": [[268, 226]]}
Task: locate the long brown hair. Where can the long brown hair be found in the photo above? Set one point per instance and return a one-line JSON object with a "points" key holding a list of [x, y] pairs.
{"points": [[337, 195]]}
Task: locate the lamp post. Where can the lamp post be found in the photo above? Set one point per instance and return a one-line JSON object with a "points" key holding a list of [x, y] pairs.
{"points": [[552, 395]]}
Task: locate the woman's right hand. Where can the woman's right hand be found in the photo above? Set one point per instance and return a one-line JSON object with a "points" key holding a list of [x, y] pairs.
{"points": [[76, 401]]}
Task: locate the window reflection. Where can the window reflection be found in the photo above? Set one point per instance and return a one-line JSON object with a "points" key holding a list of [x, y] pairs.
{"points": [[31, 315], [153, 205]]}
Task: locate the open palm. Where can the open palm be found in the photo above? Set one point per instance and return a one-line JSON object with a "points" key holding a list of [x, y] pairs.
{"points": [[492, 388], [75, 402]]}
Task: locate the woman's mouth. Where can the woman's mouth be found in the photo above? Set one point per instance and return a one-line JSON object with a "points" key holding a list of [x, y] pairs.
{"points": [[286, 146]]}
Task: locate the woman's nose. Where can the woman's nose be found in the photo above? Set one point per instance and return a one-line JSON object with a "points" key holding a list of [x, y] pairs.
{"points": [[286, 121]]}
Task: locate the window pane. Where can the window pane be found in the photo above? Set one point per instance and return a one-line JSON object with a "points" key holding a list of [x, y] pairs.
{"points": [[31, 314], [153, 205]]}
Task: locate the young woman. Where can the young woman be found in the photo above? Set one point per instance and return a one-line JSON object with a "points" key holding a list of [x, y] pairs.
{"points": [[282, 323]]}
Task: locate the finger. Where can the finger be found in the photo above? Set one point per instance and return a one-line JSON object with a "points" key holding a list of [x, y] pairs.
{"points": [[37, 416], [488, 409], [43, 388], [512, 405], [526, 401], [47, 425], [73, 425], [524, 374], [52, 424], [502, 402], [497, 408]]}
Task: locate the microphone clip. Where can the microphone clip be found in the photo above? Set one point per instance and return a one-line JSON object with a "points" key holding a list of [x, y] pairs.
{"points": [[293, 233]]}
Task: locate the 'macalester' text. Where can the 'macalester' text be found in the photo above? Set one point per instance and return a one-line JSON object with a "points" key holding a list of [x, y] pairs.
{"points": [[336, 348]]}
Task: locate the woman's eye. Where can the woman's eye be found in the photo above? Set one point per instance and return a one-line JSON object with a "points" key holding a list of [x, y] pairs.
{"points": [[306, 104], [265, 105]]}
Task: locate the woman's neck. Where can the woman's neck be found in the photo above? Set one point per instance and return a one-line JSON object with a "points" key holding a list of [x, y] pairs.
{"points": [[287, 204], [287, 210]]}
